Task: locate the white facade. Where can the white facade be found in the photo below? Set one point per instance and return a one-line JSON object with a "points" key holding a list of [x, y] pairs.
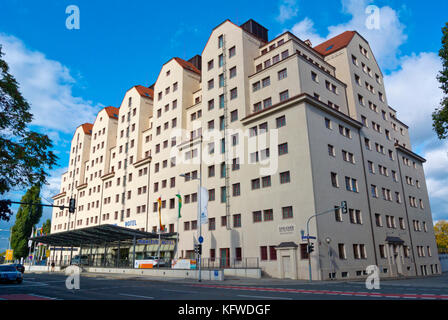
{"points": [[305, 128]]}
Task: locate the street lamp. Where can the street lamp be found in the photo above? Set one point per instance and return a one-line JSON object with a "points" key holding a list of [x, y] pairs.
{"points": [[199, 206]]}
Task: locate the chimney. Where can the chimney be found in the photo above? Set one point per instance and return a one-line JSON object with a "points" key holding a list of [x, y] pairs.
{"points": [[308, 43]]}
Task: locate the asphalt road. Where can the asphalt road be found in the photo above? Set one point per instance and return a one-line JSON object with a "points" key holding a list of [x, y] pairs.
{"points": [[44, 286]]}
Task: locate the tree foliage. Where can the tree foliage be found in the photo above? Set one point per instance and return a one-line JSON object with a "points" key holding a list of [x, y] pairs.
{"points": [[25, 156], [440, 115], [46, 227], [441, 232], [27, 217]]}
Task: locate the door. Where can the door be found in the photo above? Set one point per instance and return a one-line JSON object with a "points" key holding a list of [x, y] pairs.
{"points": [[224, 260], [286, 263]]}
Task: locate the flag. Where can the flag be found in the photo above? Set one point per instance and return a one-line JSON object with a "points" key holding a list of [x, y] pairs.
{"points": [[204, 202], [179, 197], [160, 214], [32, 235]]}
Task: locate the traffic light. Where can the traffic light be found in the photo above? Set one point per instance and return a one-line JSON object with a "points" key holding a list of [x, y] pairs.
{"points": [[344, 206], [200, 249], [72, 205], [310, 247]]}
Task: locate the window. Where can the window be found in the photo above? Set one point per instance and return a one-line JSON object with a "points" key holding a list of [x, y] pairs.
{"points": [[233, 93], [268, 215], [287, 212], [285, 177], [282, 74], [256, 216], [234, 115], [314, 76], [282, 148], [327, 123], [256, 86], [255, 183], [334, 179], [236, 189], [266, 181], [232, 72], [341, 249], [237, 220], [263, 253], [210, 84], [211, 224], [281, 121], [338, 214], [267, 103], [210, 65], [232, 52], [284, 95], [266, 82]]}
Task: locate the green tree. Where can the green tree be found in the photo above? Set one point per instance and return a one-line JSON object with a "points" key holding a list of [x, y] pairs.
{"points": [[25, 155], [27, 217], [440, 115], [46, 227], [441, 232]]}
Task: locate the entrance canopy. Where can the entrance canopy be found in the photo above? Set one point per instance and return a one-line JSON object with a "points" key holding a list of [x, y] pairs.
{"points": [[97, 235]]}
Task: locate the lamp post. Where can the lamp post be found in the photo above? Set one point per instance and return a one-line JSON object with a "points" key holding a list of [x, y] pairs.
{"points": [[343, 207], [328, 240], [199, 206]]}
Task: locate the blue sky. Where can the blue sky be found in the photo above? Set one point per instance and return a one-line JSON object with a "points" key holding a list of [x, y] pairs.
{"points": [[68, 75]]}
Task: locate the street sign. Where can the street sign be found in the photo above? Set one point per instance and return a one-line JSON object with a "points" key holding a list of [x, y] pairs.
{"points": [[306, 237], [201, 239], [8, 255]]}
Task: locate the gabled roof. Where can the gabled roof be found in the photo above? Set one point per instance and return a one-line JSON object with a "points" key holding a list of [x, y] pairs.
{"points": [[112, 112], [87, 128], [336, 43], [187, 65], [145, 92]]}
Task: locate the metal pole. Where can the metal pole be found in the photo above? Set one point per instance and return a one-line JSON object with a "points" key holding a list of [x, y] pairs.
{"points": [[199, 206], [118, 254], [309, 253], [133, 252], [158, 252], [71, 254]]}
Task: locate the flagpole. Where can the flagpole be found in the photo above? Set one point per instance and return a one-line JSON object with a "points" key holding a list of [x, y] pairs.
{"points": [[178, 218]]}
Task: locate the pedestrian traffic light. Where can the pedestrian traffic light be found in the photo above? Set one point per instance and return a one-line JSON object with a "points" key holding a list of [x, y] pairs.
{"points": [[71, 206], [310, 247], [344, 206]]}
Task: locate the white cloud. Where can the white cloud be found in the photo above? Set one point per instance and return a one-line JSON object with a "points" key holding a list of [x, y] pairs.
{"points": [[47, 86], [305, 31], [287, 10], [413, 90], [384, 41]]}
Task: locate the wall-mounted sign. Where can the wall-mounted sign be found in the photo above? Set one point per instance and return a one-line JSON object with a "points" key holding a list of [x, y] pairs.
{"points": [[130, 223], [285, 229]]}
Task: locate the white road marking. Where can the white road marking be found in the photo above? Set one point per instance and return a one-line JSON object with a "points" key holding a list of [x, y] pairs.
{"points": [[135, 296], [181, 291], [45, 297], [264, 297]]}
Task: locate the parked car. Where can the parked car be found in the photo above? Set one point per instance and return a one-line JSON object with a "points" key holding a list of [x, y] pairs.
{"points": [[19, 267], [79, 261], [9, 273]]}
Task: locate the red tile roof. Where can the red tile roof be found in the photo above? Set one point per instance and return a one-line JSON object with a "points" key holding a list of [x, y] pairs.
{"points": [[87, 128], [336, 43], [112, 112], [145, 92], [187, 65]]}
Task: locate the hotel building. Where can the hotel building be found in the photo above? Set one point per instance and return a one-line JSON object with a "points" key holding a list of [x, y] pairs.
{"points": [[286, 130]]}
